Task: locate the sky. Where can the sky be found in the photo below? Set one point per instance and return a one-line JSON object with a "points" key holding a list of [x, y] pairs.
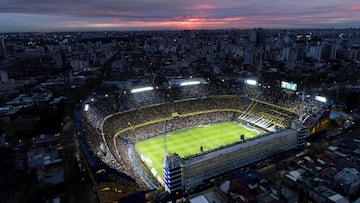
{"points": [[122, 15]]}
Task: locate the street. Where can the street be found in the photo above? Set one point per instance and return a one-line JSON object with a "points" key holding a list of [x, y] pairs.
{"points": [[77, 181]]}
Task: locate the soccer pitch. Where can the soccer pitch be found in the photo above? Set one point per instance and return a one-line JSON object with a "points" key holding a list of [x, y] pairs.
{"points": [[187, 142]]}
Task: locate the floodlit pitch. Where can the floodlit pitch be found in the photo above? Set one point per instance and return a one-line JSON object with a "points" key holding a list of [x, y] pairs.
{"points": [[187, 142]]}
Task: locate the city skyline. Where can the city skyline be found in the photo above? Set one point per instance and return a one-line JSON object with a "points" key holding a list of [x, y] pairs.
{"points": [[91, 15]]}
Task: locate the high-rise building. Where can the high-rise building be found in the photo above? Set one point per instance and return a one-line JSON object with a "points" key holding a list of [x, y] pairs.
{"points": [[291, 59], [285, 54], [59, 60], [315, 52], [333, 53], [249, 58], [260, 41], [2, 46]]}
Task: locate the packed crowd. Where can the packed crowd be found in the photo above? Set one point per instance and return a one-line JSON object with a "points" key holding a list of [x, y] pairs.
{"points": [[99, 158], [146, 131], [95, 143], [167, 110], [310, 111], [126, 158], [267, 117], [109, 101]]}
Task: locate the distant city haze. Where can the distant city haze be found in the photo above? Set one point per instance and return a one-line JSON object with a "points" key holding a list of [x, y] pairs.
{"points": [[118, 15]]}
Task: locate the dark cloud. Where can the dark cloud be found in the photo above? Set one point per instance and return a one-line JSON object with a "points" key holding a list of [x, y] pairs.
{"points": [[160, 12]]}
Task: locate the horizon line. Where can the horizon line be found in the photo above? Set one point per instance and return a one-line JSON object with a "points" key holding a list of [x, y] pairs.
{"points": [[176, 29]]}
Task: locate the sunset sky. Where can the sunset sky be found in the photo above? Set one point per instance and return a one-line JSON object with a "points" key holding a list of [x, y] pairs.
{"points": [[88, 15]]}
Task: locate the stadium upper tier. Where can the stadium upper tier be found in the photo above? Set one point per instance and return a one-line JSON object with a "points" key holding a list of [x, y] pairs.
{"points": [[166, 110], [240, 107], [107, 101]]}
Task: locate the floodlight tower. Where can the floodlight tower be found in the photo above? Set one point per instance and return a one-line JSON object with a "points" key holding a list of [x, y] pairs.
{"points": [[165, 140]]}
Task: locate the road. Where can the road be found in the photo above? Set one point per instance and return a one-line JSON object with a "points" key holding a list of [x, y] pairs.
{"points": [[77, 181]]}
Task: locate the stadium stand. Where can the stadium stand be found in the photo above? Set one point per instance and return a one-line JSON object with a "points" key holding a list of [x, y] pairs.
{"points": [[117, 120]]}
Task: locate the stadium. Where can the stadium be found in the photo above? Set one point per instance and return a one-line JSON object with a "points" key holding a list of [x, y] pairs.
{"points": [[182, 136]]}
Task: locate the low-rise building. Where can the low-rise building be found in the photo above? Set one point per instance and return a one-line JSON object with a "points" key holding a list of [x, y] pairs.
{"points": [[348, 180], [323, 194]]}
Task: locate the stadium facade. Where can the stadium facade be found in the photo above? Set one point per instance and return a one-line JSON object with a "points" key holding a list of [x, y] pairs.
{"points": [[185, 174]]}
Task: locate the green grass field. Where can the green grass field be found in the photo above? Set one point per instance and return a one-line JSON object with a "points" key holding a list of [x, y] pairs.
{"points": [[187, 142]]}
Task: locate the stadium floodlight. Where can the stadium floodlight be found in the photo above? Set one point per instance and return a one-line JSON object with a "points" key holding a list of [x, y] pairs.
{"points": [[320, 98], [86, 107], [251, 82], [142, 89], [190, 83]]}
